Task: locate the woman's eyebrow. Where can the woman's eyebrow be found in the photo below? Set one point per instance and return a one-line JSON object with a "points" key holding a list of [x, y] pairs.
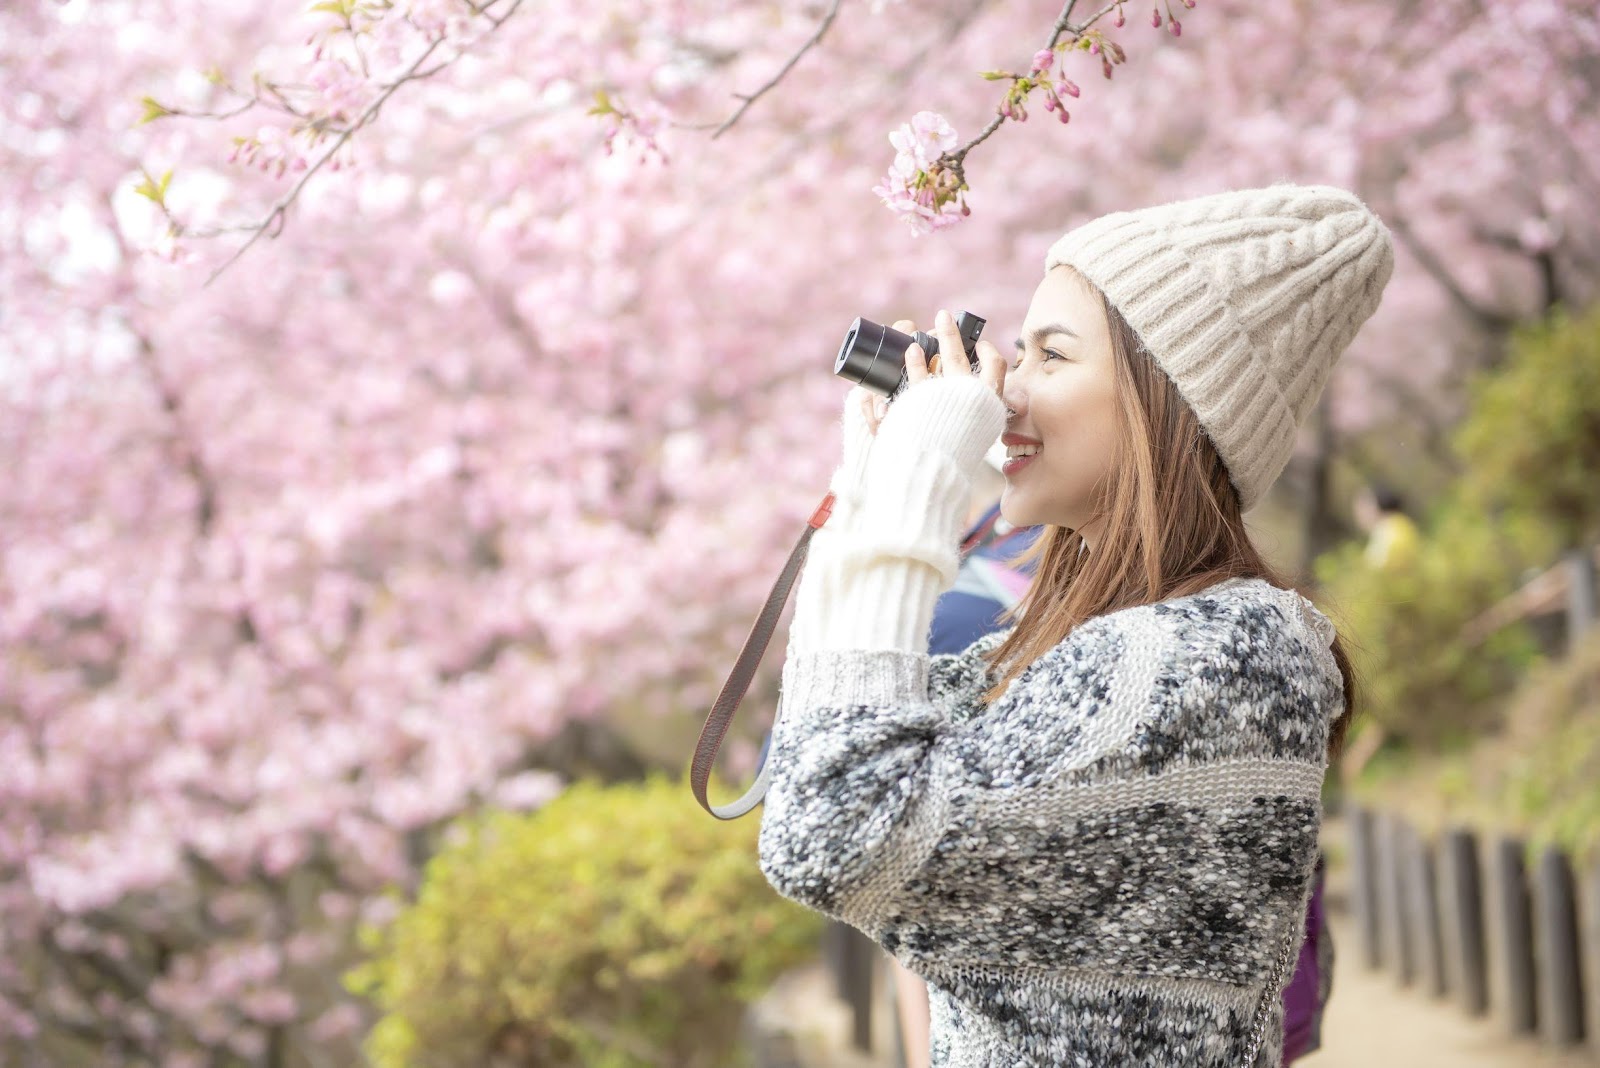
{"points": [[1038, 336]]}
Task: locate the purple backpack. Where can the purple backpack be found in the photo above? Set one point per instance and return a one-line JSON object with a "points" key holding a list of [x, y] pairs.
{"points": [[1308, 989]]}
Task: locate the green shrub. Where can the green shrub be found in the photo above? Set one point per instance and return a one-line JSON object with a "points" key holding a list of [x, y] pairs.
{"points": [[1532, 441], [1420, 681], [615, 927], [1538, 778], [1552, 753]]}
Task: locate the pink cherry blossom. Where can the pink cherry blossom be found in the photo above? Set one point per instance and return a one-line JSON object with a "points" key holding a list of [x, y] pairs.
{"points": [[298, 565]]}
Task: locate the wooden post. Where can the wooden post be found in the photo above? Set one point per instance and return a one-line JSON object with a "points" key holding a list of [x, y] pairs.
{"points": [[1461, 922], [859, 957], [1556, 932], [1589, 910], [890, 1004], [1397, 940], [1364, 885], [1421, 909], [1581, 610], [1510, 937], [835, 950]]}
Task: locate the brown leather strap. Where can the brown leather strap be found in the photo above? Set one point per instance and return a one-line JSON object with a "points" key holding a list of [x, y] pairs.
{"points": [[744, 669]]}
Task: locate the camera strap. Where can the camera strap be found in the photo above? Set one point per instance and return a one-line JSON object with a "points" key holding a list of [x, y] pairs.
{"points": [[744, 669]]}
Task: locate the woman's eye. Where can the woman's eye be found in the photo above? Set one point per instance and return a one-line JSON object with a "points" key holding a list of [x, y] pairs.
{"points": [[1053, 354]]}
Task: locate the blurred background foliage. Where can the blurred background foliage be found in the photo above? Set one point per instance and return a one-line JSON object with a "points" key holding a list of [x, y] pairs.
{"points": [[616, 927], [1473, 714]]}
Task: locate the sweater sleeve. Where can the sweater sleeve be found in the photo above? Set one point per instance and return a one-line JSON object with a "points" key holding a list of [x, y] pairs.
{"points": [[872, 576], [856, 723]]}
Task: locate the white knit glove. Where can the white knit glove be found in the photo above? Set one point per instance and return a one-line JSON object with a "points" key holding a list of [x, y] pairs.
{"points": [[848, 483], [870, 582], [919, 474]]}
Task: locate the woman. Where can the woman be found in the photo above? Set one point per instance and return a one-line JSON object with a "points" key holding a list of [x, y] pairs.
{"points": [[1093, 834]]}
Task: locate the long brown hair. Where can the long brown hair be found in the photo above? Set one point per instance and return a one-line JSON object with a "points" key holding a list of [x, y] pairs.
{"points": [[1170, 509]]}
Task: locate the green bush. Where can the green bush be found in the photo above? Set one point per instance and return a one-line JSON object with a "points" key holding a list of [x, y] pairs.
{"points": [[615, 927], [1538, 778], [1532, 441], [1552, 753], [1420, 681]]}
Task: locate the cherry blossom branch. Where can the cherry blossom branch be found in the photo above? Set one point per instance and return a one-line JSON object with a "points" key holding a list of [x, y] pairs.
{"points": [[279, 211], [927, 182], [1110, 53], [1486, 318], [1062, 24], [271, 95], [751, 98]]}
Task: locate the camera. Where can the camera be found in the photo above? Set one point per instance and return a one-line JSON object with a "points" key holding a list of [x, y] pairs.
{"points": [[875, 356]]}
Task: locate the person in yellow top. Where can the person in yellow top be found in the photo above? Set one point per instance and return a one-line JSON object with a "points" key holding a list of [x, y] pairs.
{"points": [[1392, 537]]}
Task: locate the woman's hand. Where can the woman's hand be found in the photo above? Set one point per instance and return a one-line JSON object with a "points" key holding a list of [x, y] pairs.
{"points": [[950, 360]]}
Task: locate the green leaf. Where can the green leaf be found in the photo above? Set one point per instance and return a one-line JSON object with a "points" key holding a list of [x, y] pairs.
{"points": [[994, 75], [153, 109], [343, 8], [602, 104], [153, 189]]}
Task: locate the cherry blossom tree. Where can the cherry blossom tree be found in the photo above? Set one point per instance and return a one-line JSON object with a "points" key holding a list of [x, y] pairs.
{"points": [[390, 385]]}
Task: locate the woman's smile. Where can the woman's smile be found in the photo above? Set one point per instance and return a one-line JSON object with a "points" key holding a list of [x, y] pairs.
{"points": [[1021, 451]]}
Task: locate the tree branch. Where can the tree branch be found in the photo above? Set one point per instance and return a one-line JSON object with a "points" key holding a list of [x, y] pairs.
{"points": [[956, 159], [280, 210], [415, 72], [751, 98], [1488, 319]]}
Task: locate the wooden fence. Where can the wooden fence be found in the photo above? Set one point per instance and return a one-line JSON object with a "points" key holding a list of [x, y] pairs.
{"points": [[1465, 916]]}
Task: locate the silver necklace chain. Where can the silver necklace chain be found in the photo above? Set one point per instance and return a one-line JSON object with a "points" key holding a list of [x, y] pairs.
{"points": [[1280, 972]]}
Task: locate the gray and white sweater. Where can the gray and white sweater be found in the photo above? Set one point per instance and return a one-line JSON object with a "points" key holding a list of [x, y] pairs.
{"points": [[1101, 867]]}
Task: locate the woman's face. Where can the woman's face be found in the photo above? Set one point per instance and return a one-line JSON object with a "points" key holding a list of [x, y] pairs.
{"points": [[1062, 388]]}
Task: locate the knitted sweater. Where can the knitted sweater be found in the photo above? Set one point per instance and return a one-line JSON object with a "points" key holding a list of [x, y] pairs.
{"points": [[1098, 869]]}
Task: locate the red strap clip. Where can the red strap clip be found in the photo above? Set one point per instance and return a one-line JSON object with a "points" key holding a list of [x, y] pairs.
{"points": [[820, 516]]}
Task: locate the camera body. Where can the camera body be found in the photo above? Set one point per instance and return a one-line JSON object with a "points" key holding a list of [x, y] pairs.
{"points": [[874, 355]]}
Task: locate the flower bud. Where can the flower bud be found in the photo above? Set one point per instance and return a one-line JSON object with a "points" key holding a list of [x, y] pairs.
{"points": [[1155, 19], [1177, 28], [1120, 21], [1094, 48], [1049, 100], [1043, 60], [1068, 87], [1064, 116]]}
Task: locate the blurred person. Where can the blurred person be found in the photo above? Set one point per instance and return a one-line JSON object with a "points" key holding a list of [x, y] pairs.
{"points": [[1094, 832], [1392, 537]]}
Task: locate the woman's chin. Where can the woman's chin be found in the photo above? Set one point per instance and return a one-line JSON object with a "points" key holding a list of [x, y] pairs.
{"points": [[1014, 510]]}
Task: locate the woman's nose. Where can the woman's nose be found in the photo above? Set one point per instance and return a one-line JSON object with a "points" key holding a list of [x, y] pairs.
{"points": [[1016, 400]]}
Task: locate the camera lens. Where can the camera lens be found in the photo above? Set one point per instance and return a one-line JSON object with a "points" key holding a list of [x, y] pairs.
{"points": [[873, 356]]}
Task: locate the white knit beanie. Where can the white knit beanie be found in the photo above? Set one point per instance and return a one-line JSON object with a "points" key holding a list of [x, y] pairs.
{"points": [[1245, 299]]}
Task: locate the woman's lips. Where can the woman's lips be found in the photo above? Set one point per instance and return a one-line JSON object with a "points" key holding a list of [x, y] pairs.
{"points": [[1013, 466]]}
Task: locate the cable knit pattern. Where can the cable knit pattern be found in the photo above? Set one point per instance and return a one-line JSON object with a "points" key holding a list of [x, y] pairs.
{"points": [[1096, 870], [903, 496], [1246, 299]]}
